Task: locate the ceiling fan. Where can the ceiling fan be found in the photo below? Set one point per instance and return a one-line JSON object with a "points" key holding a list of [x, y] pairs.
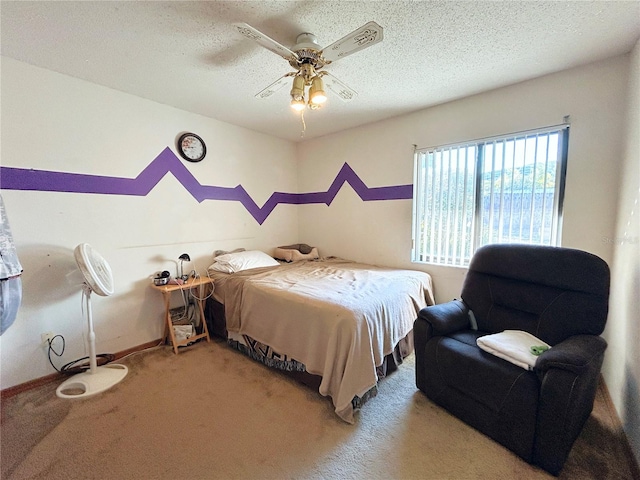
{"points": [[308, 58]]}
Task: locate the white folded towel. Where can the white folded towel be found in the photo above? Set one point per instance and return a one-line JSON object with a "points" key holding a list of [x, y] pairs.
{"points": [[513, 346]]}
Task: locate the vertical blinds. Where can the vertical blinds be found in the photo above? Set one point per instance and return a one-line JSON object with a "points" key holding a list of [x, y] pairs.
{"points": [[506, 189]]}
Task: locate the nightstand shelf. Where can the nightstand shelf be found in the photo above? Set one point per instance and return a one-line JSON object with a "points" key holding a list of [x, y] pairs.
{"points": [[202, 284]]}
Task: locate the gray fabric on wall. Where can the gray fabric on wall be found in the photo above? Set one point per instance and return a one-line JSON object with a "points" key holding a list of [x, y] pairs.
{"points": [[10, 298], [10, 271]]}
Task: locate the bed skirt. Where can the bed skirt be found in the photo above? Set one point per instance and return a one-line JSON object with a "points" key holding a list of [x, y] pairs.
{"points": [[214, 315]]}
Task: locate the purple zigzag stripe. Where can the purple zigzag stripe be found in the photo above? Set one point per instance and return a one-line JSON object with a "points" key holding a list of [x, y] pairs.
{"points": [[167, 162]]}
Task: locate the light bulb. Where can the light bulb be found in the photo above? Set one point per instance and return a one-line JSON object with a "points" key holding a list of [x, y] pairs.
{"points": [[297, 104]]}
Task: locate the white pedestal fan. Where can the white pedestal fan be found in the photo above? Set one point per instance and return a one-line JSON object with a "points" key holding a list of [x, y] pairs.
{"points": [[99, 279]]}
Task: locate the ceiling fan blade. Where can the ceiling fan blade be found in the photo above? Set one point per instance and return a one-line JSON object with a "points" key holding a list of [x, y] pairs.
{"points": [[363, 37], [264, 41], [336, 86], [274, 87]]}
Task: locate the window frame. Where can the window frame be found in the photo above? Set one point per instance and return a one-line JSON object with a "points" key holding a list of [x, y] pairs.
{"points": [[480, 146]]}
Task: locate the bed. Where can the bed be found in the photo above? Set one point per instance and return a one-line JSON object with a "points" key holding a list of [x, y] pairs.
{"points": [[334, 320]]}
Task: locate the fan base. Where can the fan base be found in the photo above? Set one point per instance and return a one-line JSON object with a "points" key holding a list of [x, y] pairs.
{"points": [[87, 383]]}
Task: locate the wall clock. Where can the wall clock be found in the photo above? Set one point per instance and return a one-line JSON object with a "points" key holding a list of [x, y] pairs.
{"points": [[191, 147]]}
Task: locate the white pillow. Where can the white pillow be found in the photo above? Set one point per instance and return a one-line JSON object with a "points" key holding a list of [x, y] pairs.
{"points": [[236, 262]]}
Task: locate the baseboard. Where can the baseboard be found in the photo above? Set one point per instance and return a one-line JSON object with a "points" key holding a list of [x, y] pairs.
{"points": [[628, 451], [23, 387], [138, 348]]}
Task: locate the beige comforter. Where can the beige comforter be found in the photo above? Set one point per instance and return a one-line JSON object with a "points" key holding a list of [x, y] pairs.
{"points": [[337, 317]]}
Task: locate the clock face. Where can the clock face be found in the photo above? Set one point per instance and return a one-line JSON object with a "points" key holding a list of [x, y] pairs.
{"points": [[192, 147]]}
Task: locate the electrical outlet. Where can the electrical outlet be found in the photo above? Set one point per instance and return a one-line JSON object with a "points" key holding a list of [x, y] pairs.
{"points": [[46, 338]]}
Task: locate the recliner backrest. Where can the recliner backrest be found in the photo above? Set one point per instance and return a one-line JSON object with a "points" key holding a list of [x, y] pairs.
{"points": [[550, 292]]}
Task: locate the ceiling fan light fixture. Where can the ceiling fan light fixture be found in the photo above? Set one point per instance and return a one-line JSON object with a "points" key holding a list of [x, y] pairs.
{"points": [[297, 89], [317, 96]]}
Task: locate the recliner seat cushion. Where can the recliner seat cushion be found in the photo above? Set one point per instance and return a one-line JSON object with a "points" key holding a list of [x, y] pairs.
{"points": [[480, 375]]}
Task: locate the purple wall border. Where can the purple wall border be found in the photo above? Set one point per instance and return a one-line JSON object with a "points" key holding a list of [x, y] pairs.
{"points": [[167, 162]]}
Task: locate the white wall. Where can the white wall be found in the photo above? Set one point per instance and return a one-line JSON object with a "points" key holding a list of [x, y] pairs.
{"points": [[382, 154], [59, 123], [622, 365]]}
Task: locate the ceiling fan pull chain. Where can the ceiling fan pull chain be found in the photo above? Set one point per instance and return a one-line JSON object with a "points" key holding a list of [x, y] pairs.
{"points": [[304, 125]]}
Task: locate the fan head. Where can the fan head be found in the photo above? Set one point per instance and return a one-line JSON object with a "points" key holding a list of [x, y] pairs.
{"points": [[308, 51], [95, 269]]}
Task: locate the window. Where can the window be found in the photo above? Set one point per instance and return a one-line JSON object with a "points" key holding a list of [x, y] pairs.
{"points": [[506, 189]]}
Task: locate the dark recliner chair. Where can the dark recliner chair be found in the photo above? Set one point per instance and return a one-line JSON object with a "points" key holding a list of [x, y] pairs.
{"points": [[559, 295]]}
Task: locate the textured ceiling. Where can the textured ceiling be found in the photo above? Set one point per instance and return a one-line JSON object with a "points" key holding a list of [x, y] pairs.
{"points": [[188, 55]]}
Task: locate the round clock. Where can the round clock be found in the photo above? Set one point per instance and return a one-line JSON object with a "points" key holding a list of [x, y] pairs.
{"points": [[191, 147]]}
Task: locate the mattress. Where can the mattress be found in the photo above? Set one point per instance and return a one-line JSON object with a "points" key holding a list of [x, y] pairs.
{"points": [[337, 318]]}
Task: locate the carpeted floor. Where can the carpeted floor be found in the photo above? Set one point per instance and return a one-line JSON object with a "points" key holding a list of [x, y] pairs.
{"points": [[211, 413]]}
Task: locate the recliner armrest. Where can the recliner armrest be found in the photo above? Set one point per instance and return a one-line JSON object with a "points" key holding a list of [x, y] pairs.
{"points": [[573, 354], [568, 374], [445, 318]]}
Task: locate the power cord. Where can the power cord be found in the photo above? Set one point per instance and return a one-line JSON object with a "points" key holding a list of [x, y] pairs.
{"points": [[190, 299], [195, 274], [74, 367]]}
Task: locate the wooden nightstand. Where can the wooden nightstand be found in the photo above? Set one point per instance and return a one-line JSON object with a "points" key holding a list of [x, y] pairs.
{"points": [[202, 285]]}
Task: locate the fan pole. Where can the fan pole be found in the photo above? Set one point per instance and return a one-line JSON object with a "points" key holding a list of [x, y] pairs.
{"points": [[93, 363]]}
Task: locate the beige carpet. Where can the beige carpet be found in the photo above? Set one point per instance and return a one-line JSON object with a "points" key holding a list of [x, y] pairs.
{"points": [[210, 413]]}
